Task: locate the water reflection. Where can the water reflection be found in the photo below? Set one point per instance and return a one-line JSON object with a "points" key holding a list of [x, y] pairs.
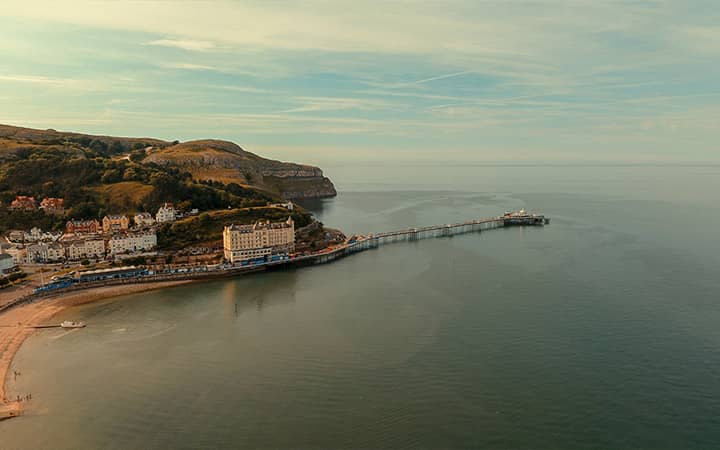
{"points": [[317, 205], [259, 292]]}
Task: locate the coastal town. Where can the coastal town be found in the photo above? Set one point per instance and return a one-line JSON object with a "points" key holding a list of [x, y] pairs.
{"points": [[113, 237], [118, 236]]}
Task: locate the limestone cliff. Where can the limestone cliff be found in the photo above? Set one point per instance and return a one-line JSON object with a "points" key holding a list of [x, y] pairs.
{"points": [[227, 162]]}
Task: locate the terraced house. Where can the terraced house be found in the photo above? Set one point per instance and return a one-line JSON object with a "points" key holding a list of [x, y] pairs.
{"points": [[43, 252], [115, 223], [82, 227], [22, 202], [131, 242], [144, 220], [85, 249]]}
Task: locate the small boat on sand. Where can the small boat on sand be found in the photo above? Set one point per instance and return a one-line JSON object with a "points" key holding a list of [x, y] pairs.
{"points": [[72, 324]]}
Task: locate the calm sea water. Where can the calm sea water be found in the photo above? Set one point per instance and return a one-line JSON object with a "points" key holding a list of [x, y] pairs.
{"points": [[600, 331]]}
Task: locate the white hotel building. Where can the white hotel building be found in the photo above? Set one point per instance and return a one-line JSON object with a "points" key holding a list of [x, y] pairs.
{"points": [[242, 242]]}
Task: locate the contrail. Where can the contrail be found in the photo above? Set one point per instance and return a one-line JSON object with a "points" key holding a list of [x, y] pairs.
{"points": [[442, 77]]}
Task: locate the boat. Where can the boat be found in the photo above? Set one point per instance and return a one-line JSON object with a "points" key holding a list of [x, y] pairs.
{"points": [[71, 324]]}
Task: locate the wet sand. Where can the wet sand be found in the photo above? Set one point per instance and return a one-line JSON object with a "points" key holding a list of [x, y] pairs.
{"points": [[15, 322]]}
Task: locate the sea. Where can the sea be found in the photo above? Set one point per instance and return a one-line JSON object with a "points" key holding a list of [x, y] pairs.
{"points": [[599, 331]]}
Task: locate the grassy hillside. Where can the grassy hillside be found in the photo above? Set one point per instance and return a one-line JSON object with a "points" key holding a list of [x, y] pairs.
{"points": [[96, 176], [14, 138], [125, 195], [94, 186]]}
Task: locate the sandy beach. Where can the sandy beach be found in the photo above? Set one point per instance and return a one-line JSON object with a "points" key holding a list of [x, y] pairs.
{"points": [[15, 322]]}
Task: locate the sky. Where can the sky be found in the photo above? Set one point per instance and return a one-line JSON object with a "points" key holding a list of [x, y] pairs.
{"points": [[431, 81]]}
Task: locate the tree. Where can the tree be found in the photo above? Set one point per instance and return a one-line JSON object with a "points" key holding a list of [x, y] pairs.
{"points": [[49, 189], [116, 147], [85, 210], [130, 174], [137, 155], [185, 205], [111, 176], [98, 145]]}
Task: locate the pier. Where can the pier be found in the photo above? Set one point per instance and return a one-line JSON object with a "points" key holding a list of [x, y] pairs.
{"points": [[435, 231], [38, 327], [370, 241]]}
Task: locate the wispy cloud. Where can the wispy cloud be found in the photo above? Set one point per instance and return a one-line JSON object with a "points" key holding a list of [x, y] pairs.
{"points": [[228, 67], [68, 84], [186, 66], [309, 104], [35, 79], [238, 88], [184, 44], [701, 39]]}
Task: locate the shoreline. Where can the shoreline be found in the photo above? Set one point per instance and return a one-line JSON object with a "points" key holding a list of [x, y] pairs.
{"points": [[15, 321]]}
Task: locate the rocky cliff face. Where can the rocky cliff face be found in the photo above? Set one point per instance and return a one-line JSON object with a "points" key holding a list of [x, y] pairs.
{"points": [[292, 187], [229, 163], [290, 172]]}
